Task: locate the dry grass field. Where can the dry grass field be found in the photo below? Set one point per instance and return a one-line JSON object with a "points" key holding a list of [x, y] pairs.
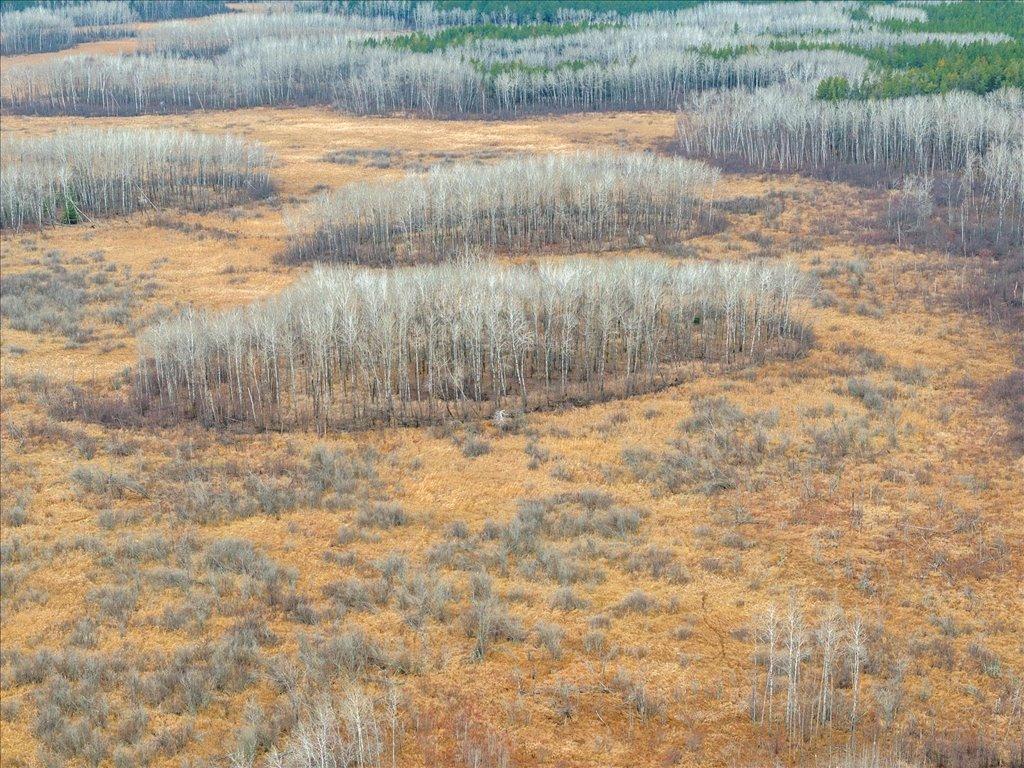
{"points": [[887, 484], [177, 595]]}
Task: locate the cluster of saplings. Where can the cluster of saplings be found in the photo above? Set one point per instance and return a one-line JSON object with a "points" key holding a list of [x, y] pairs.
{"points": [[520, 205], [52, 26], [353, 346], [85, 173], [974, 144]]}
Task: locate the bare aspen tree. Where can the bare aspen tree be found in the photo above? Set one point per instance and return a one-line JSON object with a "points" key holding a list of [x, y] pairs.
{"points": [[346, 55], [974, 143], [769, 630], [787, 130], [828, 636], [796, 636], [855, 657], [40, 29], [35, 30], [802, 653], [342, 70], [217, 35]]}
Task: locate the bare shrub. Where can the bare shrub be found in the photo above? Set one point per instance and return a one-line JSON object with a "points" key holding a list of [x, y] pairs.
{"points": [[637, 696], [348, 654], [382, 515], [636, 601], [474, 446], [550, 637], [424, 595], [1008, 395], [111, 485], [488, 621], [716, 446], [565, 599], [874, 397]]}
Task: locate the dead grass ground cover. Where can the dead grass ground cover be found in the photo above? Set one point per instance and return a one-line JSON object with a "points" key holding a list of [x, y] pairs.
{"points": [[588, 587]]}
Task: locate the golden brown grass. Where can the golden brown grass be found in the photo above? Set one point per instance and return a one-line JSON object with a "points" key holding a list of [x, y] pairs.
{"points": [[937, 488]]}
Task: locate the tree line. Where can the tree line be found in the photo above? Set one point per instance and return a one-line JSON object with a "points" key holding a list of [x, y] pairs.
{"points": [[36, 30], [219, 34], [82, 173], [463, 61], [343, 72], [350, 347], [520, 205]]}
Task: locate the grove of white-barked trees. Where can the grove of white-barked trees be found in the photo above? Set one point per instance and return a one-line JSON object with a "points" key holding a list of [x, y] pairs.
{"points": [[520, 205], [352, 346], [973, 144], [341, 70], [55, 26], [85, 172]]}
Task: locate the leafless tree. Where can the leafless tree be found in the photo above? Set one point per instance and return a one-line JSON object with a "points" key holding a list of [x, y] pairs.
{"points": [[856, 654], [335, 734], [786, 129], [796, 638], [218, 34]]}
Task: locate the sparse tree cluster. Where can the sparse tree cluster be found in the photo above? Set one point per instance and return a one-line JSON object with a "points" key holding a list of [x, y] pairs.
{"points": [[520, 205], [34, 30], [787, 130], [54, 26], [354, 346], [99, 13], [159, 10], [885, 12], [1002, 174], [974, 144], [84, 173], [796, 682]]}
